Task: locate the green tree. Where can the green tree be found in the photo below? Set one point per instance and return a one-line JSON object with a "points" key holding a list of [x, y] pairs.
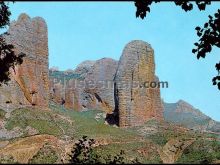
{"points": [[83, 153], [209, 34], [8, 58]]}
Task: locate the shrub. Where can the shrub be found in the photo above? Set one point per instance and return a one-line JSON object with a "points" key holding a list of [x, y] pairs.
{"points": [[83, 153]]}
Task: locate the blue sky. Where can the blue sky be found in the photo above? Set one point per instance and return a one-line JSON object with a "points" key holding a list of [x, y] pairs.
{"points": [[79, 31]]}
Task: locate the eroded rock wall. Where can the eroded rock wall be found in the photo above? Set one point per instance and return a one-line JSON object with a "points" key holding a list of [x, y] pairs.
{"points": [[114, 87], [29, 83], [134, 102], [92, 90]]}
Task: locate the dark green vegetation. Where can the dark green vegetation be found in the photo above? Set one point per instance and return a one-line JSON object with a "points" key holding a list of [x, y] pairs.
{"points": [[209, 34], [201, 151], [83, 153], [2, 114], [8, 59], [7, 160], [86, 124]]}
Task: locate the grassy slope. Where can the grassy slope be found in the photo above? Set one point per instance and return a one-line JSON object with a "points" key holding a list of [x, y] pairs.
{"points": [[86, 124], [43, 121], [201, 151], [132, 140]]}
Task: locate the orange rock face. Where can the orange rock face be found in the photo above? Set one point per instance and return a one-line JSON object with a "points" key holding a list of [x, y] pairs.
{"points": [[29, 83], [135, 102], [93, 90], [117, 88]]}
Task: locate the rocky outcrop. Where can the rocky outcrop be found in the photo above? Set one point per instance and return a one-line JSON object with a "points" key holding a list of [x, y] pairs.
{"points": [[89, 87], [133, 101], [102, 84], [29, 83], [101, 75], [84, 67]]}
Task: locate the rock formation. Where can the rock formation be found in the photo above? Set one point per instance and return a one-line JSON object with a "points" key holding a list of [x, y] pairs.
{"points": [[96, 85], [102, 74], [84, 67], [29, 83], [134, 102], [89, 87]]}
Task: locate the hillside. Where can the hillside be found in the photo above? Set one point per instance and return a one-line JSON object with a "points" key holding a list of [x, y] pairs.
{"points": [[184, 114], [181, 113], [48, 135]]}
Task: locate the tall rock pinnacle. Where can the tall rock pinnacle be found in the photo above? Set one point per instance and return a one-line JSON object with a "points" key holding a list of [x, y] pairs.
{"points": [[125, 101], [29, 83], [135, 103]]}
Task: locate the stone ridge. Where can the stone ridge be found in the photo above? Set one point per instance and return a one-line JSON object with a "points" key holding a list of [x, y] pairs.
{"points": [[30, 81]]}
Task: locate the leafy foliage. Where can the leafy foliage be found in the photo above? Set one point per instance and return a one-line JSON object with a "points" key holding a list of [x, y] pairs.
{"points": [[4, 14], [216, 79], [209, 34], [83, 153], [143, 6], [188, 6], [8, 59], [209, 37], [46, 155], [2, 114], [201, 152], [7, 160]]}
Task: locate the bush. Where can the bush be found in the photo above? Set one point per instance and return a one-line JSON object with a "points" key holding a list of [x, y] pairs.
{"points": [[200, 152], [83, 153], [44, 156], [2, 114], [7, 159]]}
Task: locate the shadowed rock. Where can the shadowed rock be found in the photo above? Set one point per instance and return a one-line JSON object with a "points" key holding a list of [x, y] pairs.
{"points": [[29, 83]]}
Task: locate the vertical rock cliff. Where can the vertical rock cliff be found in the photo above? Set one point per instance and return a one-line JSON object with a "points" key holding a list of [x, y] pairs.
{"points": [[115, 87], [29, 83], [90, 86], [134, 102]]}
